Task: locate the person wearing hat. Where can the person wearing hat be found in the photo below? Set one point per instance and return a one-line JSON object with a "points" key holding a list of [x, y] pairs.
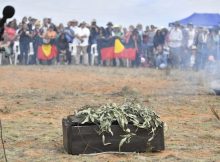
{"points": [[74, 27], [109, 30], [82, 35], [37, 36], [175, 44], [117, 31], [94, 33], [150, 44], [24, 40], [202, 48], [191, 33]]}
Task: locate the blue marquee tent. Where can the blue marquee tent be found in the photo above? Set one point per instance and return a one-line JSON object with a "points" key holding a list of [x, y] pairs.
{"points": [[202, 20]]}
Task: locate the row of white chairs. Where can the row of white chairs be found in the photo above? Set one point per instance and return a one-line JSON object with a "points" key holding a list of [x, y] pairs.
{"points": [[16, 51], [94, 52], [72, 48]]}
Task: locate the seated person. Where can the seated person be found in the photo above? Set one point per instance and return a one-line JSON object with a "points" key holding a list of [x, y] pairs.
{"points": [[161, 57]]}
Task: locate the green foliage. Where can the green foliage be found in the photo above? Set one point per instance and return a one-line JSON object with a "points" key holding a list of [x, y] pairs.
{"points": [[129, 112]]}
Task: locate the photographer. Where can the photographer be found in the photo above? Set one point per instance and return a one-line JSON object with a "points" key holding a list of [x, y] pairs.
{"points": [[24, 40], [63, 50], [94, 33]]}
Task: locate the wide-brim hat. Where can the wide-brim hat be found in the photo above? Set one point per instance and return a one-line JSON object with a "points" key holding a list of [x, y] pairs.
{"points": [[116, 26], [83, 23], [74, 21], [109, 24], [38, 23]]}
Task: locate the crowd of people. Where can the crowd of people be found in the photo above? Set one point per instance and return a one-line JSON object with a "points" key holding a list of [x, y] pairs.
{"points": [[178, 47]]}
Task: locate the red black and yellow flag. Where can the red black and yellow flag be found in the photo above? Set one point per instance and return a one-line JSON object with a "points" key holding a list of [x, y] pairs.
{"points": [[47, 52], [114, 48]]}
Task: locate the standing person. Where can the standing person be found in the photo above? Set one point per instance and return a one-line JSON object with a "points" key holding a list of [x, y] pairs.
{"points": [[60, 29], [109, 30], [158, 39], [202, 48], [175, 43], [69, 37], [137, 44], [50, 23], [45, 26], [117, 33], [24, 20], [30, 23], [63, 49], [37, 40], [140, 30], [213, 43], [82, 34], [150, 44], [51, 34], [145, 41], [189, 35], [94, 32], [24, 40], [74, 27], [100, 39]]}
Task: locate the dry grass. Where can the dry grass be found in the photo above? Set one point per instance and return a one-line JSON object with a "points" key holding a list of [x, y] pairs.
{"points": [[34, 99]]}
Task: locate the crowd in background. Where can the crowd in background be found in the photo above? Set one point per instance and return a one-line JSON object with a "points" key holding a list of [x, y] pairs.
{"points": [[178, 47]]}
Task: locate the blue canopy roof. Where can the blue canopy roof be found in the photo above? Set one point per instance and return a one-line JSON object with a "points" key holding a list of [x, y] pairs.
{"points": [[202, 19]]}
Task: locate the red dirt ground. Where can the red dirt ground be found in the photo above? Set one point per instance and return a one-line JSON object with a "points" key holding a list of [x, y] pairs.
{"points": [[34, 99]]}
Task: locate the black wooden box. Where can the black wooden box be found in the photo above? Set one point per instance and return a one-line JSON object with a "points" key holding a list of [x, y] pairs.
{"points": [[84, 139]]}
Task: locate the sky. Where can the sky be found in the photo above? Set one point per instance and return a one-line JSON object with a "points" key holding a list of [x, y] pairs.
{"points": [[120, 12]]}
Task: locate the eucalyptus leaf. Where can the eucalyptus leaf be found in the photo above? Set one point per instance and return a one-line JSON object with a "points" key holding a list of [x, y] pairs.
{"points": [[130, 111]]}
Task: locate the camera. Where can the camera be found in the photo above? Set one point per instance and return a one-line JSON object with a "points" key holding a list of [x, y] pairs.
{"points": [[2, 49]]}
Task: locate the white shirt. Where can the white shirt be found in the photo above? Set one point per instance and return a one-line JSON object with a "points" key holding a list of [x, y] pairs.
{"points": [[175, 38], [81, 32], [192, 34], [75, 40]]}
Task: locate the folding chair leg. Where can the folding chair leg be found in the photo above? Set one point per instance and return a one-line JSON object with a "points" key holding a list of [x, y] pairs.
{"points": [[10, 60], [16, 59], [0, 58]]}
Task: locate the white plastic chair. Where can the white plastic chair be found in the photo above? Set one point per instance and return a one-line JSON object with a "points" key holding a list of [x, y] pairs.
{"points": [[3, 53], [72, 49], [94, 53], [31, 51], [16, 51]]}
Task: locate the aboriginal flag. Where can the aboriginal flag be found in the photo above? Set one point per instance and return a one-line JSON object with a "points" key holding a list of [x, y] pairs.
{"points": [[114, 48], [47, 52]]}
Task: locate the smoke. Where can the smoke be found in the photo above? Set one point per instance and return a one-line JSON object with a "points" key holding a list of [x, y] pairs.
{"points": [[212, 76]]}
